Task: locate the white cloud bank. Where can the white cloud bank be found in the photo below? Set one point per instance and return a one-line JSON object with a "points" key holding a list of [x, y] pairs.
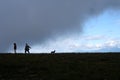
{"points": [[82, 44]]}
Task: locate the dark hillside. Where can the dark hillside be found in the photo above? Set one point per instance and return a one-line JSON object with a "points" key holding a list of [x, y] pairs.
{"points": [[87, 66]]}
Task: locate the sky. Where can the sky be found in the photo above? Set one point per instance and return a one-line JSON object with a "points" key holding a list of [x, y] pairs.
{"points": [[63, 25], [100, 34]]}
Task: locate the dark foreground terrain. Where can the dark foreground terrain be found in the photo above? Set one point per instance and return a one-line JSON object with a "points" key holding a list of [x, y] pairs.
{"points": [[89, 66]]}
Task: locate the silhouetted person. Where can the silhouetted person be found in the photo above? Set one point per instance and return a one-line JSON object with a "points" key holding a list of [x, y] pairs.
{"points": [[15, 47], [27, 48]]}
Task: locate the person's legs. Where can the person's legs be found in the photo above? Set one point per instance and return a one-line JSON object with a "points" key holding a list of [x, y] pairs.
{"points": [[28, 51], [25, 51], [15, 51]]}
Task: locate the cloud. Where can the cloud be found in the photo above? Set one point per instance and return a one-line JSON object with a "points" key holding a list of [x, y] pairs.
{"points": [[94, 37], [112, 43], [109, 49], [74, 44], [38, 21], [107, 46]]}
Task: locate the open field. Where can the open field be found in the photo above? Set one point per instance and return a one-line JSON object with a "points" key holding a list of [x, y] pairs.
{"points": [[89, 66]]}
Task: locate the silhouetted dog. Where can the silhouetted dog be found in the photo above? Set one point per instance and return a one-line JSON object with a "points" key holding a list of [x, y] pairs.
{"points": [[53, 52]]}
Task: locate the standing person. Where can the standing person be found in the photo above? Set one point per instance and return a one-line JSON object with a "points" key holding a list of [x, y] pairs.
{"points": [[15, 47], [27, 48]]}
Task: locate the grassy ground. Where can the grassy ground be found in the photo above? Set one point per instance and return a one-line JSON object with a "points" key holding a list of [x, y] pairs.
{"points": [[60, 66]]}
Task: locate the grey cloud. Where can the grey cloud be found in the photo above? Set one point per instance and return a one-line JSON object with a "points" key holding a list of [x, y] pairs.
{"points": [[36, 21]]}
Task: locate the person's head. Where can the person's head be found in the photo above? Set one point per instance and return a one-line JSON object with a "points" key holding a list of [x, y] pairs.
{"points": [[14, 43]]}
